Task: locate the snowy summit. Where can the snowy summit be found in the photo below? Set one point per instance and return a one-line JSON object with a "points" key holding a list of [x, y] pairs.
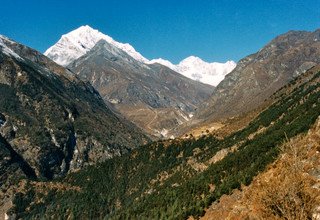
{"points": [[197, 69], [78, 42]]}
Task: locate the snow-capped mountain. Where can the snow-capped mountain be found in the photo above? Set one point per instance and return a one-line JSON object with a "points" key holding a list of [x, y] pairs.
{"points": [[197, 69], [78, 42], [151, 95]]}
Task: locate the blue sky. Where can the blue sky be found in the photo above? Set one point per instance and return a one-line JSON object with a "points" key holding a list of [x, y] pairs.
{"points": [[211, 29]]}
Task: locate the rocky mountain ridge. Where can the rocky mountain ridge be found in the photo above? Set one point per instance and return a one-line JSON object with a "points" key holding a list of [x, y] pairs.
{"points": [[153, 96], [259, 75]]}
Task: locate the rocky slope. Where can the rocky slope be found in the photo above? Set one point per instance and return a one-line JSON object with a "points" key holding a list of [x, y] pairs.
{"points": [[259, 75], [153, 96], [51, 121]]}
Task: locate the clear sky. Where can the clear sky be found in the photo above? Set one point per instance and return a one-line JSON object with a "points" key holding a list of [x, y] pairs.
{"points": [[215, 30]]}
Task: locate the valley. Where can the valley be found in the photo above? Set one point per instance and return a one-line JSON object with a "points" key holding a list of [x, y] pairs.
{"points": [[180, 178], [94, 130]]}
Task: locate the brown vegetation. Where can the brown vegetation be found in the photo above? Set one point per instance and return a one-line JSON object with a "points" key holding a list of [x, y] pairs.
{"points": [[288, 189]]}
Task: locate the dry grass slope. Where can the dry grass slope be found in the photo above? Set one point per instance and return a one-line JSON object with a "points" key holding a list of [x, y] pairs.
{"points": [[288, 189]]}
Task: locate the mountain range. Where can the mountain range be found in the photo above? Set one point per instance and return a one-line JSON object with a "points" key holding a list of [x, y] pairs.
{"points": [[254, 78], [81, 40], [154, 97], [95, 122]]}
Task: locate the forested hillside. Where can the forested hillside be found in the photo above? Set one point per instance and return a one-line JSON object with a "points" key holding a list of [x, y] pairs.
{"points": [[178, 178]]}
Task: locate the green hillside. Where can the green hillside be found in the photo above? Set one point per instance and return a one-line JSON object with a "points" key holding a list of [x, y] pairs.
{"points": [[176, 179]]}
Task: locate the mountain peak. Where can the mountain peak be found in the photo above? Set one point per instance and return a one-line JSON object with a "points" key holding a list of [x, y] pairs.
{"points": [[85, 28], [195, 68], [192, 59], [78, 42], [86, 31]]}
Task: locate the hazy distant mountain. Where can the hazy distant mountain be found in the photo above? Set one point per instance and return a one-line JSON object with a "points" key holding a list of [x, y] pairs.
{"points": [[153, 96], [50, 120], [199, 70], [78, 42], [259, 75]]}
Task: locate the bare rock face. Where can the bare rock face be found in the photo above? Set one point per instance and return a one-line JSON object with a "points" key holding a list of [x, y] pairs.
{"points": [[153, 96], [259, 75], [51, 122]]}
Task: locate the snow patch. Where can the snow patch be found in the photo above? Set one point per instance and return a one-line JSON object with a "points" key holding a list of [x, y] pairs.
{"points": [[6, 50]]}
